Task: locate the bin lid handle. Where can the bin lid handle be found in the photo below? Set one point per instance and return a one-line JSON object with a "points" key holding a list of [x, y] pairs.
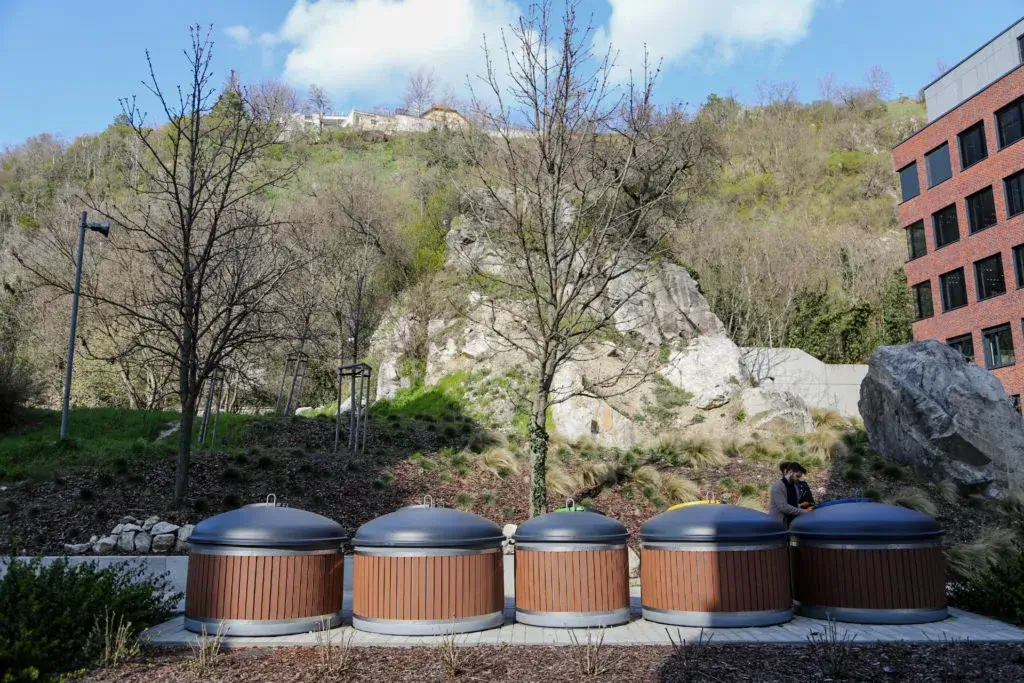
{"points": [[272, 499]]}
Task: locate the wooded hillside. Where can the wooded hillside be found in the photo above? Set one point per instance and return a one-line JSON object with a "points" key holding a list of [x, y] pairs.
{"points": [[793, 240]]}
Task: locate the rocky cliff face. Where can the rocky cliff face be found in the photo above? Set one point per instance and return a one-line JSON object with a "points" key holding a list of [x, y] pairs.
{"points": [[926, 406], [669, 319]]}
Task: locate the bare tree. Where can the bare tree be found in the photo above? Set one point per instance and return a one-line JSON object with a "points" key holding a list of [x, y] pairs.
{"points": [[420, 91], [573, 171], [319, 102], [879, 81], [197, 257], [273, 100]]}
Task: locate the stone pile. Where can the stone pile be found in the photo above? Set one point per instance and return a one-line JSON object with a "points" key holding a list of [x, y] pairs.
{"points": [[132, 536]]}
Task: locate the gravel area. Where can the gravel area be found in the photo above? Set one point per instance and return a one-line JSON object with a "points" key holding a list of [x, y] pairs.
{"points": [[522, 664]]}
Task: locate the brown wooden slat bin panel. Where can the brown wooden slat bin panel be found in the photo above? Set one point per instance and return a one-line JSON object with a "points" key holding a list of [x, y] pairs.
{"points": [[425, 591], [895, 579], [711, 581], [572, 588], [262, 588]]}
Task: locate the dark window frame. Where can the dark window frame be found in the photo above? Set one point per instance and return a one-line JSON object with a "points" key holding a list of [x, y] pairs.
{"points": [[917, 181], [1017, 254], [946, 307], [979, 283], [1020, 47], [1017, 104], [971, 227], [939, 244], [927, 284], [928, 168], [980, 125], [991, 331], [1017, 178], [960, 339], [910, 240]]}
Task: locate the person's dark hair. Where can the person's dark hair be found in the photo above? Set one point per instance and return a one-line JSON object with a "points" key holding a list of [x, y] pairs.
{"points": [[797, 467], [784, 465]]}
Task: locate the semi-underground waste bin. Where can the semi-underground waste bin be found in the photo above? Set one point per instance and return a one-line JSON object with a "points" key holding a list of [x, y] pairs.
{"points": [[264, 570], [572, 570], [714, 565], [869, 563], [428, 570]]}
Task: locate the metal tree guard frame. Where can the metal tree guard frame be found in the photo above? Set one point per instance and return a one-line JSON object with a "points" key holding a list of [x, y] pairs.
{"points": [[359, 400], [298, 362]]}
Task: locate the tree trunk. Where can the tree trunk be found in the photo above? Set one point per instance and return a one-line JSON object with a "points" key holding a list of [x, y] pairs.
{"points": [[539, 449], [188, 414]]}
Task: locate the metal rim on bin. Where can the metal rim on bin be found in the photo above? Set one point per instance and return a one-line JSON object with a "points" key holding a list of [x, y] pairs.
{"points": [[428, 627], [857, 615], [865, 544], [706, 546], [374, 551], [717, 619], [567, 547], [259, 627], [614, 617]]}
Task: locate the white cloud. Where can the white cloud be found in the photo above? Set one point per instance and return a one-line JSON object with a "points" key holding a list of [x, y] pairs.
{"points": [[239, 34], [673, 29], [369, 46]]}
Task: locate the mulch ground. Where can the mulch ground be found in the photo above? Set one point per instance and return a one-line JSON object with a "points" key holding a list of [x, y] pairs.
{"points": [[528, 664]]}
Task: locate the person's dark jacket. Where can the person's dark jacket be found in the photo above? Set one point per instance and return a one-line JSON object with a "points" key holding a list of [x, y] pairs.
{"points": [[782, 501], [803, 493]]}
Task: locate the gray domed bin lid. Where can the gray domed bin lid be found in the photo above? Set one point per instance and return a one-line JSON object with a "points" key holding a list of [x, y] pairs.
{"points": [[710, 523], [865, 522], [572, 527], [267, 525], [428, 526]]}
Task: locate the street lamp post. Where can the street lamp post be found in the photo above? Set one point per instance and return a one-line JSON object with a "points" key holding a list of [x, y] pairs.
{"points": [[104, 229]]}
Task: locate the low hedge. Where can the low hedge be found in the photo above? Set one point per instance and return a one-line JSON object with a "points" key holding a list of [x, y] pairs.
{"points": [[57, 618]]}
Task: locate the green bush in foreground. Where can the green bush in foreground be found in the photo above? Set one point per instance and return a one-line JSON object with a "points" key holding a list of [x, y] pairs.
{"points": [[57, 618], [995, 591]]}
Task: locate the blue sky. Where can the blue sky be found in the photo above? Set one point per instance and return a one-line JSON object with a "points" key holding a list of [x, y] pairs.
{"points": [[66, 62]]}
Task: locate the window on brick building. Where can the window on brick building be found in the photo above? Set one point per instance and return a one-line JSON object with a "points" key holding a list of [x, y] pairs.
{"points": [[981, 210], [972, 145], [916, 245], [937, 166], [1010, 123], [998, 343], [1018, 264], [989, 274], [923, 301], [953, 288], [910, 186], [964, 344], [1020, 48], [1014, 187], [946, 229]]}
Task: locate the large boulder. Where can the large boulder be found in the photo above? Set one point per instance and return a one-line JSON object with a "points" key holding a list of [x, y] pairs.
{"points": [[710, 367], [926, 406], [763, 407], [579, 416]]}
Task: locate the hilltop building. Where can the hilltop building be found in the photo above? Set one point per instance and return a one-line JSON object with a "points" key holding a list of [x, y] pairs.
{"points": [[962, 207], [388, 123]]}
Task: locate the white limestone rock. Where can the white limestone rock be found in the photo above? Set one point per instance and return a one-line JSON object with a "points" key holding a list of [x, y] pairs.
{"points": [[764, 406], [150, 521], [105, 544], [710, 367], [126, 541], [634, 563], [164, 543], [143, 542], [163, 528]]}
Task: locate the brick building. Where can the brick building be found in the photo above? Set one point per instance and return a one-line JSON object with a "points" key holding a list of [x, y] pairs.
{"points": [[962, 206]]}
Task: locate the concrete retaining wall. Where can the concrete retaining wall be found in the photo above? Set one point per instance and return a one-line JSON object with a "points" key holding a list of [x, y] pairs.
{"points": [[820, 385]]}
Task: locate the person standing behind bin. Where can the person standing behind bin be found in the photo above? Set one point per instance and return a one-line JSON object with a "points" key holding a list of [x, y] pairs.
{"points": [[783, 498], [804, 497]]}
